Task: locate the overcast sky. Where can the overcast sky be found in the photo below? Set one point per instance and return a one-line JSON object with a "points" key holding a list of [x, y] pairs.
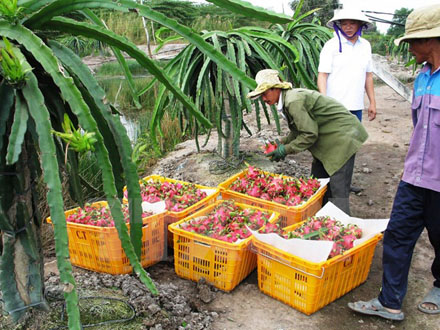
{"points": [[386, 6]]}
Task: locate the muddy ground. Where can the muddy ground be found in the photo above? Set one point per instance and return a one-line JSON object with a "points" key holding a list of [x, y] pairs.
{"points": [[186, 305]]}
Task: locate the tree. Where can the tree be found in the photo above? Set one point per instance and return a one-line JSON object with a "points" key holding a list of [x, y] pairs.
{"points": [[219, 96], [323, 15], [293, 50], [398, 28]]}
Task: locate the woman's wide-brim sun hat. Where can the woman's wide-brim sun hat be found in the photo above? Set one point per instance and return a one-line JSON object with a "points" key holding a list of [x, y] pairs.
{"points": [[422, 23], [351, 14], [267, 79]]}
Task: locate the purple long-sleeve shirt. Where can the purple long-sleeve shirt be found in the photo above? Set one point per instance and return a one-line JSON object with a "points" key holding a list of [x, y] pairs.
{"points": [[422, 164]]}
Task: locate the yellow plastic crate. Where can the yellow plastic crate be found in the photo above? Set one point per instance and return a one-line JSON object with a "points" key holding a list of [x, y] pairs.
{"points": [[289, 215], [222, 264], [99, 248], [308, 286], [171, 217]]}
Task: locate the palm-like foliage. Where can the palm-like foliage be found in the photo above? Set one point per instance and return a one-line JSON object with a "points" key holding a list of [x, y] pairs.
{"points": [[41, 82], [401, 52], [325, 13], [292, 49], [308, 39], [219, 96]]}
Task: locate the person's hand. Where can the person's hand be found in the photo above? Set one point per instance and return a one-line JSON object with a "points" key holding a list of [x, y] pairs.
{"points": [[371, 112], [279, 153]]}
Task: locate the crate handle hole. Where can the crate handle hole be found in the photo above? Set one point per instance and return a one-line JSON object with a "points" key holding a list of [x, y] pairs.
{"points": [[202, 243]]}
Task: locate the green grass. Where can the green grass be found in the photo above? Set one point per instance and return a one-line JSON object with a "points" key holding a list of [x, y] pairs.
{"points": [[114, 69], [92, 311], [128, 25], [198, 17], [144, 153], [118, 92]]}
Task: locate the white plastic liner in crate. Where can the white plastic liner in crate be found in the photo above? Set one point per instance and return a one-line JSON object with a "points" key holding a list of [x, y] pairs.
{"points": [[318, 251]]}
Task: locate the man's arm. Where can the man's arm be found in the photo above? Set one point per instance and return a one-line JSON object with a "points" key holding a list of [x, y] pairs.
{"points": [[289, 138], [369, 88], [322, 82]]}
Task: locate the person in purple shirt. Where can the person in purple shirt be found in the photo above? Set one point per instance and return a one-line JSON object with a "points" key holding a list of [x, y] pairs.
{"points": [[417, 202]]}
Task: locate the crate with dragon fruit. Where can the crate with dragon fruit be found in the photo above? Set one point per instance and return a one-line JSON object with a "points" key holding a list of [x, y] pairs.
{"points": [[295, 199], [214, 243]]}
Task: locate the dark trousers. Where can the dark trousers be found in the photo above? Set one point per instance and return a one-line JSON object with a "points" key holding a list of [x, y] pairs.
{"points": [[357, 113], [338, 189], [413, 210]]}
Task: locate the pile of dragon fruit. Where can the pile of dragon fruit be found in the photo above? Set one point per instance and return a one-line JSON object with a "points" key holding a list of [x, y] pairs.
{"points": [[177, 196], [100, 216], [227, 222], [270, 187], [321, 228]]}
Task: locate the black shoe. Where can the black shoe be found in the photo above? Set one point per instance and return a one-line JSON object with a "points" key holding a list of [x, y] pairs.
{"points": [[355, 189]]}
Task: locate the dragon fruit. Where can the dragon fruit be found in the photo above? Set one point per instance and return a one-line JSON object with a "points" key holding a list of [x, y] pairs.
{"points": [[273, 228], [322, 228], [269, 147], [227, 222], [97, 215], [177, 196], [270, 187]]}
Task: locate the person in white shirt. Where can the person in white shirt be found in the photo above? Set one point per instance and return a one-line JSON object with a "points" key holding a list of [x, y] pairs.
{"points": [[345, 65]]}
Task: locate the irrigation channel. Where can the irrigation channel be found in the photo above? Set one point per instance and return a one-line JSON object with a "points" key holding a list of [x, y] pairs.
{"points": [[117, 91], [135, 120]]}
